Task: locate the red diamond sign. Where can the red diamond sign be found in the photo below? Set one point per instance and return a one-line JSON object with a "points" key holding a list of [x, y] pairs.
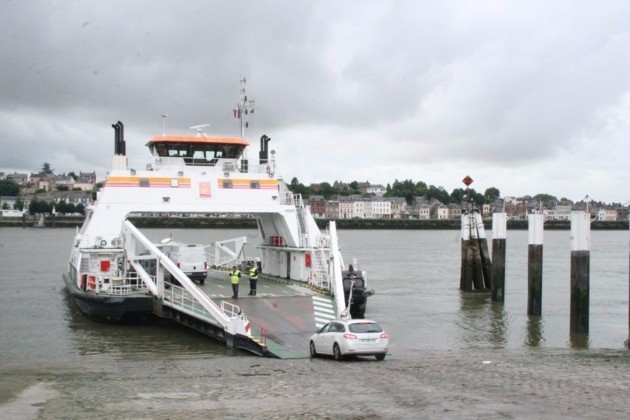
{"points": [[468, 180]]}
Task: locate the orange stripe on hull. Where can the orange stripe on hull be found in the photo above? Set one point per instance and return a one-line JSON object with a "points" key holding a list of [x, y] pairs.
{"points": [[246, 184], [129, 182]]}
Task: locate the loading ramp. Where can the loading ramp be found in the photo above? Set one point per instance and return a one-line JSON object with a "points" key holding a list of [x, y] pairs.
{"points": [[283, 314]]}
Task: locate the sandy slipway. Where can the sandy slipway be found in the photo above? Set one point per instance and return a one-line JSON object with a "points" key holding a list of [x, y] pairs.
{"points": [[470, 384]]}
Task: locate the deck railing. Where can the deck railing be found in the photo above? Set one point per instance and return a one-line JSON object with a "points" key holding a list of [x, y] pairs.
{"points": [[115, 286], [179, 298], [153, 163]]}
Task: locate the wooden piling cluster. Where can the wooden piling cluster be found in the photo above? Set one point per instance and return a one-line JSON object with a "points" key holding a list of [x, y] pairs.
{"points": [[476, 264], [479, 272]]}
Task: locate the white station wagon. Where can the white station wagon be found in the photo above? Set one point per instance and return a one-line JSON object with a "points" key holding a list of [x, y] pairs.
{"points": [[350, 337]]}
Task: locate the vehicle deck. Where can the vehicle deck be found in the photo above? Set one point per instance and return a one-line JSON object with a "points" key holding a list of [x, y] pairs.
{"points": [[283, 312]]}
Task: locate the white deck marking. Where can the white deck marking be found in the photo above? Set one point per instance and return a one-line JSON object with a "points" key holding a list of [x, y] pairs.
{"points": [[324, 311]]}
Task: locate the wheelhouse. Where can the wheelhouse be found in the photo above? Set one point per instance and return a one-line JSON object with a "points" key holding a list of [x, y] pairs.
{"points": [[197, 150]]}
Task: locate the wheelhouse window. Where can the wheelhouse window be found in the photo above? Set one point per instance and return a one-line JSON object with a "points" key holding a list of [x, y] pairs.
{"points": [[197, 150]]}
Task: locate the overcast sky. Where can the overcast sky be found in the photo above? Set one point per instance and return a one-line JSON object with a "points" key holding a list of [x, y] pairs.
{"points": [[528, 97]]}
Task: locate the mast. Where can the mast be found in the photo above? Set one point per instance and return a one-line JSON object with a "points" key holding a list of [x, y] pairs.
{"points": [[245, 108]]}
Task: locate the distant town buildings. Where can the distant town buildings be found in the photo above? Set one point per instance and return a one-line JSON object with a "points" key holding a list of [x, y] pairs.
{"points": [[50, 188], [372, 205]]}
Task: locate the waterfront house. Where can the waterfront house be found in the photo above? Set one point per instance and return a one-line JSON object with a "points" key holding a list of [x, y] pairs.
{"points": [[380, 208], [367, 188], [7, 202], [398, 206], [332, 210], [559, 212], [607, 214], [423, 211], [317, 205], [20, 179], [64, 180], [89, 177], [84, 184]]}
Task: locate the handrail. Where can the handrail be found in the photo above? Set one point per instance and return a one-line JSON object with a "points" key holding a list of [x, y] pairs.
{"points": [[178, 297], [117, 286], [153, 163], [233, 311], [132, 232]]}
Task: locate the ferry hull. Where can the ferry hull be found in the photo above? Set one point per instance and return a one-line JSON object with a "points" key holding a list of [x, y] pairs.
{"points": [[124, 309]]}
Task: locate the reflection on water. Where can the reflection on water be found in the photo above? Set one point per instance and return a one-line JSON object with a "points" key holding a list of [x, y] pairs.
{"points": [[579, 340], [535, 331], [499, 324], [160, 338], [483, 322], [415, 275]]}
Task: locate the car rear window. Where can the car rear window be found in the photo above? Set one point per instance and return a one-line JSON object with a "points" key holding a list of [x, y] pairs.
{"points": [[365, 327]]}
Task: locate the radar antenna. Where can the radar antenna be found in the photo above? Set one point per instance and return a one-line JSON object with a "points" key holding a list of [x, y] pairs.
{"points": [[199, 129]]}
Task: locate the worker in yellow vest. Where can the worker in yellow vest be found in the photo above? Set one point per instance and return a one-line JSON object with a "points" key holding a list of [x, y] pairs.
{"points": [[253, 279], [235, 278]]}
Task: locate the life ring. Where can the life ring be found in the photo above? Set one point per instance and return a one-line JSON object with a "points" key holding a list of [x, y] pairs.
{"points": [[91, 285], [103, 242]]}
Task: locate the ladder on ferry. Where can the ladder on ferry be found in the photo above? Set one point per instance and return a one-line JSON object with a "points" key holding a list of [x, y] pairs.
{"points": [[301, 216], [319, 276], [320, 266]]}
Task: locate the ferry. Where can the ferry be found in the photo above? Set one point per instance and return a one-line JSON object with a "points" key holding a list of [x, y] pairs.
{"points": [[116, 273]]}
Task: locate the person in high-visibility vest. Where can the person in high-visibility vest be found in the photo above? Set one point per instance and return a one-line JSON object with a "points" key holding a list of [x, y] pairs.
{"points": [[235, 278], [253, 279]]}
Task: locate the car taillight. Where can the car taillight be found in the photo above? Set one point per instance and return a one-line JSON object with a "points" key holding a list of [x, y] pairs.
{"points": [[350, 336], [178, 266], [205, 265], [384, 335]]}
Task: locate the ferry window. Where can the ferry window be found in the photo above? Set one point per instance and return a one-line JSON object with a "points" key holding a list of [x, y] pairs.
{"points": [[161, 150], [227, 183], [144, 182], [254, 185]]}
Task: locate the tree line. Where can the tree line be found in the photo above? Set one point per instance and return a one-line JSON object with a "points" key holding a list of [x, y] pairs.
{"points": [[408, 189], [36, 206]]}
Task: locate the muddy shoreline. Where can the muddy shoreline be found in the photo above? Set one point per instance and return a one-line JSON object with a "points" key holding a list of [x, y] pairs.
{"points": [[471, 384]]}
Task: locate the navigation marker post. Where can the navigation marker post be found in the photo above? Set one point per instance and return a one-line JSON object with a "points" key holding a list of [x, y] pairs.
{"points": [[580, 271], [499, 229], [535, 263]]}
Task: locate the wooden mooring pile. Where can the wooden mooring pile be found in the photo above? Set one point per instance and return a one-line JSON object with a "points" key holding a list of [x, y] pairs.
{"points": [[480, 273], [476, 262]]}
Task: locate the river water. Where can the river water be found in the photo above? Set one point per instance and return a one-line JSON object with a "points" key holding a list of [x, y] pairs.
{"points": [[415, 275]]}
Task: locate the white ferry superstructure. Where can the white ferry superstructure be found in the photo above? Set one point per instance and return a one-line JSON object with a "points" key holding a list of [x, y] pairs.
{"points": [[116, 273]]}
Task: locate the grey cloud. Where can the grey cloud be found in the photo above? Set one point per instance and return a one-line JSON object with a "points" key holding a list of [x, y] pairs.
{"points": [[504, 84]]}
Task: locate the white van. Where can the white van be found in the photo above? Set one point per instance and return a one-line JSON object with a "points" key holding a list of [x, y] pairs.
{"points": [[191, 259]]}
